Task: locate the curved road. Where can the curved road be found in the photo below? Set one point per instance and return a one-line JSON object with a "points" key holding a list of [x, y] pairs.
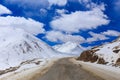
{"points": [[64, 69]]}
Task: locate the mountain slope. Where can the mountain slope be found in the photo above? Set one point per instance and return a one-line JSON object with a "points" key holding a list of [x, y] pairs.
{"points": [[105, 54], [69, 48], [18, 47]]}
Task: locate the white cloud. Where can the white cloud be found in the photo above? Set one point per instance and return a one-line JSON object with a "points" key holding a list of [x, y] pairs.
{"points": [[37, 3], [29, 3], [84, 1], [87, 3], [102, 35], [80, 20], [90, 4], [56, 36], [96, 37], [4, 10], [29, 25], [61, 11], [58, 2], [111, 33], [43, 12]]}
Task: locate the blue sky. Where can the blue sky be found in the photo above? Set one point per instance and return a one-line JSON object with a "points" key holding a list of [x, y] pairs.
{"points": [[87, 22]]}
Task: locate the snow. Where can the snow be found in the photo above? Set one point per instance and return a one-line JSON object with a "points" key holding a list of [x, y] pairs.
{"points": [[110, 68], [32, 65], [69, 48], [106, 72], [106, 52], [27, 72], [18, 46]]}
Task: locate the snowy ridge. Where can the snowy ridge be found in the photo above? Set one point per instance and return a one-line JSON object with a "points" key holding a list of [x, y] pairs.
{"points": [[69, 48], [18, 46], [105, 54]]}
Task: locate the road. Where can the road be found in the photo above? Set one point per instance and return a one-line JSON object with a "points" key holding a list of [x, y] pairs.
{"points": [[65, 69], [106, 72]]}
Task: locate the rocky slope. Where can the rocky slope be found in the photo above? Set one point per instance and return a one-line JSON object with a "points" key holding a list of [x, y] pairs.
{"points": [[105, 54]]}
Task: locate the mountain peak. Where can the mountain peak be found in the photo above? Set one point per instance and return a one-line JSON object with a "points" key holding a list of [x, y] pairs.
{"points": [[18, 46], [69, 47]]}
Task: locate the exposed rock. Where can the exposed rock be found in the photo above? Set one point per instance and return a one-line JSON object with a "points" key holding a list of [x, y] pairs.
{"points": [[94, 58], [108, 53], [90, 56], [8, 70], [116, 51], [101, 61], [118, 61], [86, 55], [17, 67]]}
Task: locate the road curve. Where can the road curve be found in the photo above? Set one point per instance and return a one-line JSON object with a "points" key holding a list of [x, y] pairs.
{"points": [[65, 69]]}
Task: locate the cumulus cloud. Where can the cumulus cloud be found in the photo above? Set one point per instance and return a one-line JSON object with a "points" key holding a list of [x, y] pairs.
{"points": [[4, 10], [61, 11], [37, 3], [55, 36], [102, 35], [111, 33], [90, 4], [87, 3], [29, 8], [29, 25], [58, 2], [32, 8], [29, 3], [80, 20], [84, 1], [96, 37]]}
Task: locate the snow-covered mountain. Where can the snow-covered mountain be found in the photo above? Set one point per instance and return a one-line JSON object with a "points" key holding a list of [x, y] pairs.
{"points": [[69, 48], [18, 47], [105, 54]]}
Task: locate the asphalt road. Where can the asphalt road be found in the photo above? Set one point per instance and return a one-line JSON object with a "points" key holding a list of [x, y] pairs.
{"points": [[64, 69]]}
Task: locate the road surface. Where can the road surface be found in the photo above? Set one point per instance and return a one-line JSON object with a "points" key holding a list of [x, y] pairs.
{"points": [[65, 69]]}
